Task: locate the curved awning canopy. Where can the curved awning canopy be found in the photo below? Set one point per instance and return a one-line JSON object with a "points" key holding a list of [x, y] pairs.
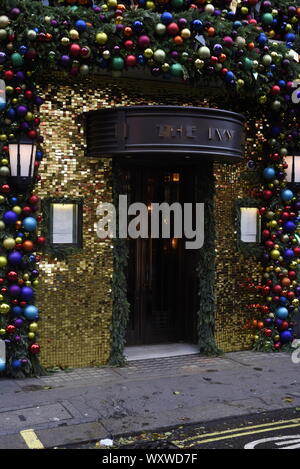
{"points": [[165, 131]]}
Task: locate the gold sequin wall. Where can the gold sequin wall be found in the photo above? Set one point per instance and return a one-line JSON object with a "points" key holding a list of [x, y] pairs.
{"points": [[74, 295]]}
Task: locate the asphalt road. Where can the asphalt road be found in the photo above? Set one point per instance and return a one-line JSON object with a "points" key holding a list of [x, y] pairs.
{"points": [[270, 430]]}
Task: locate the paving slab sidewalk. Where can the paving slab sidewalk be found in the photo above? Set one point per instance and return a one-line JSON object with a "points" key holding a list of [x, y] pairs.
{"points": [[94, 403]]}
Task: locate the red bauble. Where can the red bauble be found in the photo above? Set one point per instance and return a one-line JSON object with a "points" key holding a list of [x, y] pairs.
{"points": [[1, 281], [269, 244], [292, 274], [23, 303], [275, 89], [10, 329], [173, 29], [28, 246], [32, 134], [267, 194], [15, 302], [39, 218], [75, 49], [268, 332], [130, 60], [290, 295], [5, 188], [277, 345], [8, 75], [277, 289], [3, 290], [26, 210], [285, 215], [18, 89], [276, 299], [41, 240], [284, 325], [265, 233], [297, 251], [262, 210], [128, 44], [12, 276], [34, 348], [266, 290], [28, 94], [33, 199]]}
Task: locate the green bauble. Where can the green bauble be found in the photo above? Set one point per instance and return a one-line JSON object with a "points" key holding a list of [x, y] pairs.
{"points": [[117, 63], [159, 55], [177, 3], [267, 18], [176, 70], [4, 171], [248, 64], [16, 59]]}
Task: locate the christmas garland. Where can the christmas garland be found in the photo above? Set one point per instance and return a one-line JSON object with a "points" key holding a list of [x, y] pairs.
{"points": [[245, 48]]}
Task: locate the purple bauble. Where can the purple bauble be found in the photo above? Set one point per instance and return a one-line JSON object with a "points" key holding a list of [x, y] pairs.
{"points": [[15, 258], [14, 12], [3, 57], [17, 338], [278, 322], [119, 27], [54, 23], [182, 22], [10, 217], [174, 54], [65, 60], [24, 126], [22, 110], [14, 291], [18, 322], [268, 321], [20, 76], [38, 100], [26, 293], [297, 291]]}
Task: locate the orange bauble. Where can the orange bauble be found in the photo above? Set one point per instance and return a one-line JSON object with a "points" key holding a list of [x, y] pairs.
{"points": [[254, 323], [178, 40], [28, 246], [251, 45], [285, 282], [211, 31], [260, 324], [18, 224]]}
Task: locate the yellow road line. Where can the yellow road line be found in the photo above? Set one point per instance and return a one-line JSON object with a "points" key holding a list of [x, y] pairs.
{"points": [[232, 430], [228, 437], [31, 439]]}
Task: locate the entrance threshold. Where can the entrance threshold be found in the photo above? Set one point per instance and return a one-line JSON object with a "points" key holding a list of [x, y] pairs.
{"points": [[144, 352]]}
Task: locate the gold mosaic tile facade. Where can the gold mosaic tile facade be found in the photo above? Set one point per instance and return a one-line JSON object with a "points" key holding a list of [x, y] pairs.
{"points": [[74, 296]]}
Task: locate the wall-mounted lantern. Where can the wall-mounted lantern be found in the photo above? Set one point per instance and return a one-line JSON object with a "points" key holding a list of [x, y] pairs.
{"points": [[293, 171], [22, 158], [2, 95]]}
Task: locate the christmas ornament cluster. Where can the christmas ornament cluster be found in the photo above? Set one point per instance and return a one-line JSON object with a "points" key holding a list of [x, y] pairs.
{"points": [[246, 48]]}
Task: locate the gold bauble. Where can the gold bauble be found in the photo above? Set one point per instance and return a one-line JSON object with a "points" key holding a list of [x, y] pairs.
{"points": [[2, 331], [4, 308], [31, 335], [17, 209], [9, 243], [33, 327], [74, 34]]}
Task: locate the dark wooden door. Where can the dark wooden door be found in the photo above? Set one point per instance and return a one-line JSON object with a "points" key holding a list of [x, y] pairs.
{"points": [[162, 283]]}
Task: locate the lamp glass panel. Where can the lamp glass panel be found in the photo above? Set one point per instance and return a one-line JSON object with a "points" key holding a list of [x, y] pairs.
{"points": [[2, 351], [2, 94], [249, 224], [25, 153], [289, 161], [13, 159], [64, 223]]}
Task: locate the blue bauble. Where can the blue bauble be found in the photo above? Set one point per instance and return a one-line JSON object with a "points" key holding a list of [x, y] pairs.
{"points": [[290, 37], [10, 217], [286, 336], [229, 76], [288, 254], [138, 26], [282, 312], [23, 49], [197, 25], [31, 312], [287, 194], [289, 226], [80, 25], [11, 114], [141, 59], [15, 258], [16, 310], [166, 17], [13, 200], [283, 300], [237, 24], [2, 366], [269, 173], [29, 224], [281, 83], [26, 293], [16, 364], [39, 155], [262, 39]]}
